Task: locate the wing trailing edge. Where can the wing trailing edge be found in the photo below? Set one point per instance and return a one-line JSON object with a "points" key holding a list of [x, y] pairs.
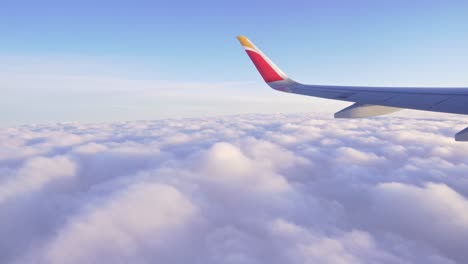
{"points": [[359, 110]]}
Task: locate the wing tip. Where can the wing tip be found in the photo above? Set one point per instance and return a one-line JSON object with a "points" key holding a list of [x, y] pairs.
{"points": [[267, 69], [245, 42]]}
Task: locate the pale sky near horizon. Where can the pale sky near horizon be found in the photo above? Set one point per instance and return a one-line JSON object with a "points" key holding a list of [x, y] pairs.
{"points": [[91, 61]]}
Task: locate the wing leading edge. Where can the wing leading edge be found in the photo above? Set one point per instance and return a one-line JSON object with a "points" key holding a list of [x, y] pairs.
{"points": [[369, 101]]}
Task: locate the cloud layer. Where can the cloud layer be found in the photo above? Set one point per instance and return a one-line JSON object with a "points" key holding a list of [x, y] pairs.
{"points": [[237, 189]]}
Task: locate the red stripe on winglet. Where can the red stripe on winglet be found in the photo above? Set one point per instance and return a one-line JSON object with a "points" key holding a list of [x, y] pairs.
{"points": [[267, 72]]}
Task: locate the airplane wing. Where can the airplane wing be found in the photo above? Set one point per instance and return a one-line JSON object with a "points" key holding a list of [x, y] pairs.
{"points": [[369, 101]]}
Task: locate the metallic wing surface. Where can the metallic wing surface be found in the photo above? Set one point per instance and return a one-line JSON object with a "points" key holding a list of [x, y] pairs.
{"points": [[368, 101]]}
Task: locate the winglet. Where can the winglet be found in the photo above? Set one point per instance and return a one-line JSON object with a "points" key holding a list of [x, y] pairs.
{"points": [[269, 71]]}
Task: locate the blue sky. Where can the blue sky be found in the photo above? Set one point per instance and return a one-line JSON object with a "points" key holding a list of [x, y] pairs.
{"points": [[71, 60]]}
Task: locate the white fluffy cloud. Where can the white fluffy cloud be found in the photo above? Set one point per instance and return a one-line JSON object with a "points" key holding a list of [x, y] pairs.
{"points": [[119, 230], [237, 189], [35, 173]]}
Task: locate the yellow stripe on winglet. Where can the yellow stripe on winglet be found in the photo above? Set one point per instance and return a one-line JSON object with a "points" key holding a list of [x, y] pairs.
{"points": [[246, 42]]}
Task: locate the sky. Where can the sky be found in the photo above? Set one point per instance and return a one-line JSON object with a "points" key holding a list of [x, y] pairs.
{"points": [[98, 61]]}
